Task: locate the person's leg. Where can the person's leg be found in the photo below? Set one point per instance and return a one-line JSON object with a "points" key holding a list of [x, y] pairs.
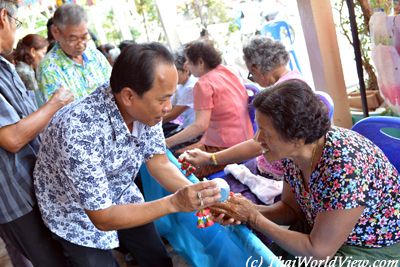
{"points": [[33, 239], [80, 256], [146, 245]]}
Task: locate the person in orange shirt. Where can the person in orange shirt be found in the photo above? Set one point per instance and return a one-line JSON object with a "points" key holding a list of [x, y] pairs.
{"points": [[220, 102]]}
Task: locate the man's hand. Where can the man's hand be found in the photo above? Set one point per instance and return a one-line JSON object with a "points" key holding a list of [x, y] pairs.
{"points": [[196, 196], [62, 97]]}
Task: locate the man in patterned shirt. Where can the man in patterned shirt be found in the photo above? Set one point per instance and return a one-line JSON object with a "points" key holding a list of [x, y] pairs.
{"points": [[21, 225], [72, 63], [94, 148]]}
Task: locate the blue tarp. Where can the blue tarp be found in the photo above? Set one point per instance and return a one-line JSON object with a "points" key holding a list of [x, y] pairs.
{"points": [[210, 247]]}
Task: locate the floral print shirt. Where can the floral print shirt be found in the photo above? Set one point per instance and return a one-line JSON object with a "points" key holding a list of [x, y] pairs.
{"points": [[57, 69], [88, 161], [352, 172]]}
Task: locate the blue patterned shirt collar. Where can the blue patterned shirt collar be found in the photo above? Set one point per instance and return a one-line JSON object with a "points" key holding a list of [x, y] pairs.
{"points": [[116, 118]]}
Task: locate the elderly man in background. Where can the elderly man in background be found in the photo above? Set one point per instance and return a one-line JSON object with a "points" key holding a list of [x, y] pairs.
{"points": [[21, 225], [72, 63]]}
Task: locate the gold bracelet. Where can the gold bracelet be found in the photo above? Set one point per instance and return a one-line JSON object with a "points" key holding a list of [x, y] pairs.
{"points": [[214, 159]]}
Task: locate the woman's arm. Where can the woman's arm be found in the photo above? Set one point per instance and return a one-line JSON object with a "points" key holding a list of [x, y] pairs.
{"points": [[330, 231], [236, 154], [284, 212], [239, 153], [198, 127]]}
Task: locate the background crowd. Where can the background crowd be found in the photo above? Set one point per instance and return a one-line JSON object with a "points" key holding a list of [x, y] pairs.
{"points": [[79, 121]]}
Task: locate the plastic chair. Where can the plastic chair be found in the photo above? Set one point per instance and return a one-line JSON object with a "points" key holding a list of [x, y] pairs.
{"points": [[210, 247], [252, 91], [328, 101], [384, 131], [281, 31]]}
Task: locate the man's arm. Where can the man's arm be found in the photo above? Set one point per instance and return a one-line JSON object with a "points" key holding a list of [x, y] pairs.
{"points": [[199, 126], [15, 136], [125, 216], [166, 173]]}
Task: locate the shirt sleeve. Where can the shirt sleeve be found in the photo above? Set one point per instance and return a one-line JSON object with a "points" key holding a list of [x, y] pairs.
{"points": [[8, 114], [155, 142], [185, 97], [203, 95], [85, 156]]}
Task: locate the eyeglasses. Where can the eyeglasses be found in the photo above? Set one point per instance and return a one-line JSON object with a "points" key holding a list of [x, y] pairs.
{"points": [[74, 40], [250, 77], [18, 23]]}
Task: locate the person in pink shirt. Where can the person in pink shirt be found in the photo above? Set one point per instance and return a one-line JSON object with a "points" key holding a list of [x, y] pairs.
{"points": [[220, 102]]}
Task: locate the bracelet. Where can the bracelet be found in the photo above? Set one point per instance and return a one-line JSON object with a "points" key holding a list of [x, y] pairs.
{"points": [[214, 159]]}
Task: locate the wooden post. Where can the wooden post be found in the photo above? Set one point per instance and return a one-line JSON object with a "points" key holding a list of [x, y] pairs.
{"points": [[322, 45]]}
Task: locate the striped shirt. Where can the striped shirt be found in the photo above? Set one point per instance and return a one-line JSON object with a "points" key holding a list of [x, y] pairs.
{"points": [[57, 69], [16, 184]]}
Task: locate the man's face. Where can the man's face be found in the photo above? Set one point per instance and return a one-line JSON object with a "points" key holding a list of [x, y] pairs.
{"points": [[153, 105], [73, 39], [8, 28]]}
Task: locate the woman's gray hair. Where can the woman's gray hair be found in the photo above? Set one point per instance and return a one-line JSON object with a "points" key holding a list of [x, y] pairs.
{"points": [[9, 5], [265, 53], [69, 14], [179, 59]]}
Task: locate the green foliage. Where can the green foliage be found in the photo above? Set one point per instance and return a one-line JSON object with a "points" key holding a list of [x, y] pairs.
{"points": [[113, 34], [147, 8], [208, 11], [363, 35], [151, 20]]}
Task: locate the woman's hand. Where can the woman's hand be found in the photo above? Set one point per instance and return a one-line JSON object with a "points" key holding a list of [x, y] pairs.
{"points": [[196, 196], [196, 157], [235, 210]]}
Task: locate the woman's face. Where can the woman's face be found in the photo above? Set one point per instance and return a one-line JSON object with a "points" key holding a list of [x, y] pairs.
{"points": [[263, 80], [38, 55], [271, 141], [197, 70], [183, 76]]}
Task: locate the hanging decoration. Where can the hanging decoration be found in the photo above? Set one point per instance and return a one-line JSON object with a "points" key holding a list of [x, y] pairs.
{"points": [[385, 34]]}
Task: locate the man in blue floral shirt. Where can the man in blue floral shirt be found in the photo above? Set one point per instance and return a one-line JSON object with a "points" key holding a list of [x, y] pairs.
{"points": [[92, 150]]}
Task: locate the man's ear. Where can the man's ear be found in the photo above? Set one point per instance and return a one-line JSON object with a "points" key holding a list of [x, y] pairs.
{"points": [[55, 31], [128, 96], [3, 17]]}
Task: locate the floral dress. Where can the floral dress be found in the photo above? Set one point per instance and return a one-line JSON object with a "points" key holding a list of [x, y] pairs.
{"points": [[352, 172]]}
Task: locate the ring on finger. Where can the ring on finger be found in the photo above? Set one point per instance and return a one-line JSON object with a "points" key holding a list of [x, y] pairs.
{"points": [[201, 199]]}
